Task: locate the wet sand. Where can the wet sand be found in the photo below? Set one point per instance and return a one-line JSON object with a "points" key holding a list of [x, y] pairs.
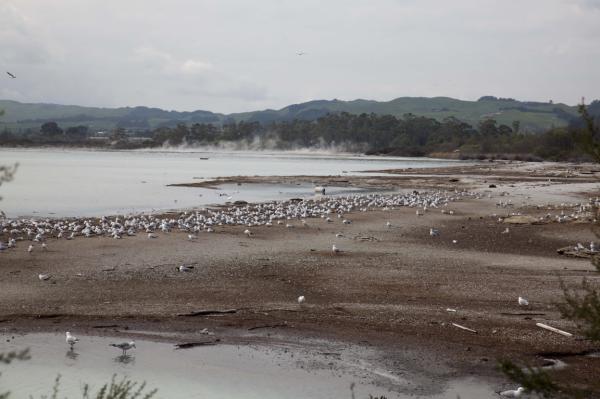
{"points": [[388, 290]]}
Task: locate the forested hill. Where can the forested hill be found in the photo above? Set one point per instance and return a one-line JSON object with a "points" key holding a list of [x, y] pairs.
{"points": [[532, 116]]}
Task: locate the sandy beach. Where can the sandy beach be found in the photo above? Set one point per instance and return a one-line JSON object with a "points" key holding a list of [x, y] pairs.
{"points": [[390, 288]]}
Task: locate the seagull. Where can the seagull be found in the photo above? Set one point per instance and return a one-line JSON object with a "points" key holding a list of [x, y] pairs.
{"points": [[513, 393], [506, 231], [192, 237], [71, 340], [152, 235], [184, 268], [523, 302], [30, 248], [335, 249], [124, 346], [44, 246], [388, 224], [434, 232], [11, 75], [301, 53], [248, 232], [44, 277], [301, 299]]}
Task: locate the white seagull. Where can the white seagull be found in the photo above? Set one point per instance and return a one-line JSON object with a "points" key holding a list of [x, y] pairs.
{"points": [[248, 232], [184, 268], [152, 235], [30, 248], [124, 346], [44, 246], [71, 340], [513, 393], [523, 301], [44, 277], [434, 232], [192, 237], [301, 299], [335, 249]]}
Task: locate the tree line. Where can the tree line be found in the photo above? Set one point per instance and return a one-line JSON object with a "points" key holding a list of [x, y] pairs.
{"points": [[409, 135]]}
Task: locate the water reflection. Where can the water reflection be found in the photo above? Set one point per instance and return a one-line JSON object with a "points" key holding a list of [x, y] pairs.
{"points": [[125, 359], [71, 354]]}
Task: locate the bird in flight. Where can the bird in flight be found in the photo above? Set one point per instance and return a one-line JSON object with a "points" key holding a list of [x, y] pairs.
{"points": [[301, 53], [11, 75]]}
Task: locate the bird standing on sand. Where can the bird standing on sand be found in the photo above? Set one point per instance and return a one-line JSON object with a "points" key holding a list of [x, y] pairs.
{"points": [[506, 231], [184, 268], [71, 340], [335, 249], [124, 346], [248, 232], [434, 232], [523, 301], [513, 393], [301, 299], [192, 237], [44, 246], [44, 277], [30, 249], [388, 224]]}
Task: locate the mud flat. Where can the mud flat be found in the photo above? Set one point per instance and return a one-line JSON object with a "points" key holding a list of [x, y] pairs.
{"points": [[389, 289]]}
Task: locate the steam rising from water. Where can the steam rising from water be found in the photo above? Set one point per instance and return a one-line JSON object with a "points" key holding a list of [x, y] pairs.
{"points": [[270, 144]]}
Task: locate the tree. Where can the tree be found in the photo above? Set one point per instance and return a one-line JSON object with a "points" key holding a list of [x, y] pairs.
{"points": [[51, 129], [77, 132], [588, 136]]}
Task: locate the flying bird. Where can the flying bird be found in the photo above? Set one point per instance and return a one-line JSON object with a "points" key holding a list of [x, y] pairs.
{"points": [[301, 53], [11, 75]]}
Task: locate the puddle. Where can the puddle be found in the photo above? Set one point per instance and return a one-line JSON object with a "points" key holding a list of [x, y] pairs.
{"points": [[216, 372]]}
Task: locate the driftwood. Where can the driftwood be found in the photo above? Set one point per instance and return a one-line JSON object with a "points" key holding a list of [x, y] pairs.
{"points": [[207, 312], [567, 354], [464, 328], [187, 345], [556, 330], [268, 326], [522, 314], [106, 326], [573, 252]]}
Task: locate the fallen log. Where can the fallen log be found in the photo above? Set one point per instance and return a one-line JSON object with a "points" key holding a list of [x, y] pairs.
{"points": [[522, 314], [207, 312], [268, 326], [464, 328], [556, 330], [187, 345]]}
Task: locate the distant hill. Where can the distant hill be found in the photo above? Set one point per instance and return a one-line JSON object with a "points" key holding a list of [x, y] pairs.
{"points": [[532, 116]]}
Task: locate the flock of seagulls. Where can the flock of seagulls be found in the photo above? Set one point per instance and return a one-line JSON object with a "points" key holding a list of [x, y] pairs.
{"points": [[124, 346], [284, 213]]}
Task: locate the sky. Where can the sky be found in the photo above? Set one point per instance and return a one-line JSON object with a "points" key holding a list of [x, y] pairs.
{"points": [[242, 55]]}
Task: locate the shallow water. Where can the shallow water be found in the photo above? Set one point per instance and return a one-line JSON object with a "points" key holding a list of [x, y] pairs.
{"points": [[216, 372], [53, 182]]}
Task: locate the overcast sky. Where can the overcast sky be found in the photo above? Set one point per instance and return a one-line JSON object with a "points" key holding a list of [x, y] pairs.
{"points": [[239, 55]]}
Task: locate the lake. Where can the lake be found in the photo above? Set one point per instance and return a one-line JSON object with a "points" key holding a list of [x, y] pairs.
{"points": [[217, 372], [70, 182]]}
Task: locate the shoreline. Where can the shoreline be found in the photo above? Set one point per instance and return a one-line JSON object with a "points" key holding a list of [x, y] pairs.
{"points": [[390, 286]]}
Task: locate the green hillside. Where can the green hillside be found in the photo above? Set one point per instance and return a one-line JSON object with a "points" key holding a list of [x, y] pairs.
{"points": [[532, 116]]}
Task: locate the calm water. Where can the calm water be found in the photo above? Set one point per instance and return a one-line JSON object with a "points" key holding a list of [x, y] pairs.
{"points": [[215, 372], [92, 183]]}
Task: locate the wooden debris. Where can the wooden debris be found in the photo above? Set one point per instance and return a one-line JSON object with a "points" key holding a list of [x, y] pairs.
{"points": [[522, 314], [573, 252], [556, 330], [268, 326], [207, 312], [464, 328], [187, 345], [106, 326]]}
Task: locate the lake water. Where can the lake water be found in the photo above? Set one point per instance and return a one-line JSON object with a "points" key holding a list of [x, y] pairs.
{"points": [[215, 372], [54, 182]]}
